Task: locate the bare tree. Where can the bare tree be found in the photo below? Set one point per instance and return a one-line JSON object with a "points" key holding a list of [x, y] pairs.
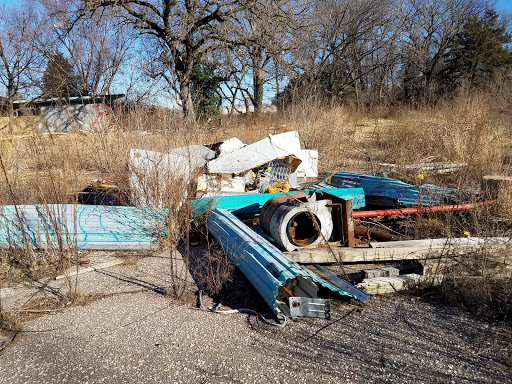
{"points": [[255, 39], [342, 52], [429, 28], [368, 49], [182, 30], [96, 46], [19, 62]]}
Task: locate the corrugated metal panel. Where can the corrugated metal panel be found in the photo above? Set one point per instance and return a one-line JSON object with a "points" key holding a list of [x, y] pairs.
{"points": [[83, 226], [409, 195], [106, 227], [250, 204], [266, 267]]}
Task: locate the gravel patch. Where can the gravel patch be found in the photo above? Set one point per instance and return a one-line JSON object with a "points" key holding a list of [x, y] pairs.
{"points": [[146, 337]]}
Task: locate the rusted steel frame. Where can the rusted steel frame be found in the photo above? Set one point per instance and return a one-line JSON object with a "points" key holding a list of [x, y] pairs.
{"points": [[372, 234], [337, 218], [348, 222], [410, 211]]}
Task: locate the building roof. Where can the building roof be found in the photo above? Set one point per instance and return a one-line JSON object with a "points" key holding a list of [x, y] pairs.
{"points": [[106, 99]]}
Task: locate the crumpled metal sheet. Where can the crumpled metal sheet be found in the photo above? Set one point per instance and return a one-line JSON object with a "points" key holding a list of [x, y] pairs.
{"points": [[407, 194], [265, 266], [154, 175], [256, 154]]}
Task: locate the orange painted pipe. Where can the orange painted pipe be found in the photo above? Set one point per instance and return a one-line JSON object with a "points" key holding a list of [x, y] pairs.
{"points": [[410, 211]]}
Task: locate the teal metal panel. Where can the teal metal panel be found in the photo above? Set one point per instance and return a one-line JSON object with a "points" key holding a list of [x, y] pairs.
{"points": [[107, 227], [250, 204], [407, 194], [81, 226], [265, 266]]}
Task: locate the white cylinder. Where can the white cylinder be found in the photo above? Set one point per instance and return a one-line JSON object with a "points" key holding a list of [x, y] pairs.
{"points": [[293, 226]]}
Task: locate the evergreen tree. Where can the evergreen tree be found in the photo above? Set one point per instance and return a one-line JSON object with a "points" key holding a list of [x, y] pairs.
{"points": [[204, 85], [479, 53], [59, 79]]}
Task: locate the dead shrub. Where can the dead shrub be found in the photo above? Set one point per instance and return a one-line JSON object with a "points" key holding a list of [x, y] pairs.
{"points": [[486, 297], [212, 269]]}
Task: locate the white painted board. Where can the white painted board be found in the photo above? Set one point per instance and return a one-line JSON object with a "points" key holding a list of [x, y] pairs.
{"points": [[256, 154], [309, 165]]}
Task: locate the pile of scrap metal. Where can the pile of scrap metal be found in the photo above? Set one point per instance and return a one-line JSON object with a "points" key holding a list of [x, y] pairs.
{"points": [[288, 288], [272, 164], [319, 226], [236, 182], [288, 221]]}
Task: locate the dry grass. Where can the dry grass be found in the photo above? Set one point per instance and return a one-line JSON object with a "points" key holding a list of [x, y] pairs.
{"points": [[42, 168], [53, 168]]}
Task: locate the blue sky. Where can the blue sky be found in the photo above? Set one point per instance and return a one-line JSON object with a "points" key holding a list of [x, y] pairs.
{"points": [[504, 5]]}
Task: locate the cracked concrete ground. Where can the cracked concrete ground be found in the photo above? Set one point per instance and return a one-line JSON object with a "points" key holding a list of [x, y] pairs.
{"points": [[131, 331]]}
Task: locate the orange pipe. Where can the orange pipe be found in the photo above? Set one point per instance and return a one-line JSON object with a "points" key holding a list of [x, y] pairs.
{"points": [[409, 211]]}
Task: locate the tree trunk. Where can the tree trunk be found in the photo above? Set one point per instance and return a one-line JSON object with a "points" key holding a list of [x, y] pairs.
{"points": [[11, 117], [186, 99], [184, 70], [11, 95], [258, 90], [257, 78]]}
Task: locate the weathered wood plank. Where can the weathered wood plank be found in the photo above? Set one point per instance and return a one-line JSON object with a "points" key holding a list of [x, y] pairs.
{"points": [[361, 255], [446, 242], [496, 186], [392, 284]]}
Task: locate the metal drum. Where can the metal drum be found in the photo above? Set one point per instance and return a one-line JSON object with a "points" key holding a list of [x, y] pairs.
{"points": [[294, 222]]}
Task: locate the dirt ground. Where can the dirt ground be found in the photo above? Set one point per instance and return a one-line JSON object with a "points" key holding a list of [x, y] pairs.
{"points": [[123, 328]]}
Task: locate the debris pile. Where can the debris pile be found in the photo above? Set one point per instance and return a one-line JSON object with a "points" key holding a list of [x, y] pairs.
{"points": [[295, 225]]}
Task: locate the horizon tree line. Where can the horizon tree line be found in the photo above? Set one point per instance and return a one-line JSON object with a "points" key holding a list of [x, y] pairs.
{"points": [[367, 53]]}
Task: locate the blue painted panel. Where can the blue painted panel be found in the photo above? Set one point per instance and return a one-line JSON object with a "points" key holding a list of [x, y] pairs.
{"points": [[83, 226], [409, 195], [250, 204], [265, 266]]}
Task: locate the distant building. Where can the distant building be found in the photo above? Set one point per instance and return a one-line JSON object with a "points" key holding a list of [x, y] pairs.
{"points": [[65, 114], [241, 109], [19, 108], [82, 112]]}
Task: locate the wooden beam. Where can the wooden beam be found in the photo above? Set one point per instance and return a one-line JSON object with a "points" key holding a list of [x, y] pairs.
{"points": [[501, 253], [497, 186], [348, 222]]}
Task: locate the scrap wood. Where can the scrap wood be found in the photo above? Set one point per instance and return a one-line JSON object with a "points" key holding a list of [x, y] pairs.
{"points": [[434, 167], [359, 255], [489, 242], [496, 186], [392, 284]]}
